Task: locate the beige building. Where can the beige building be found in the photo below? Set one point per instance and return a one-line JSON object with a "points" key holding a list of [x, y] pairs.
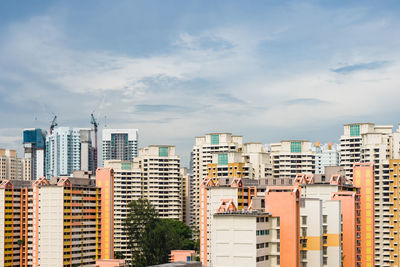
{"points": [[202, 154], [292, 157], [12, 167], [155, 175]]}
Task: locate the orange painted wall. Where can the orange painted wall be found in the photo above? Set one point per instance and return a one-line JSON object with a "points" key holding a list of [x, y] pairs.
{"points": [[181, 255], [348, 210], [203, 224], [283, 201], [363, 180], [105, 180]]}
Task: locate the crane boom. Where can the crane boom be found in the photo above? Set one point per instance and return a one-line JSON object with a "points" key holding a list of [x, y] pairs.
{"points": [[53, 124], [95, 126]]}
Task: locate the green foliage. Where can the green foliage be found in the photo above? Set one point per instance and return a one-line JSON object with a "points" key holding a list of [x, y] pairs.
{"points": [[118, 255], [152, 239], [141, 216]]}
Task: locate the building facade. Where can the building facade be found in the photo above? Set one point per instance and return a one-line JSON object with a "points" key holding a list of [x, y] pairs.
{"points": [[155, 175], [50, 223], [378, 145], [12, 167], [202, 154], [120, 144], [34, 147], [292, 157], [245, 238], [326, 155], [65, 153]]}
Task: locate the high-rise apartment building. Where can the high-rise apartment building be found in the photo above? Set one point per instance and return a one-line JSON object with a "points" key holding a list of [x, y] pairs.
{"points": [[378, 145], [155, 175], [120, 144], [65, 152], [12, 167], [292, 157], [202, 154], [34, 146], [326, 155], [50, 223]]}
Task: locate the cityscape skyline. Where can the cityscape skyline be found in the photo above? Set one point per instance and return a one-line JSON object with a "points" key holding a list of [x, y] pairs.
{"points": [[285, 70]]}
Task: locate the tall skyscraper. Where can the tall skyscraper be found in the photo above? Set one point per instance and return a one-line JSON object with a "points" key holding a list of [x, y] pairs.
{"points": [[34, 145], [202, 153], [120, 144], [66, 153]]}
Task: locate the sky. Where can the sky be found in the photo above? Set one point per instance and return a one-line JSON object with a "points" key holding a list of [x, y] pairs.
{"points": [[267, 70]]}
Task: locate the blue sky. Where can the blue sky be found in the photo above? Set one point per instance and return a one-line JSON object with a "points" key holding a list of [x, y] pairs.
{"points": [[268, 70]]}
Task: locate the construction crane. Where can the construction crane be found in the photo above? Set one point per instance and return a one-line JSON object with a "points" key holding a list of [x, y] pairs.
{"points": [[53, 124], [95, 125]]}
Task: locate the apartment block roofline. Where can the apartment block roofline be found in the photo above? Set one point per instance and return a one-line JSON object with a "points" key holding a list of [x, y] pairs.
{"points": [[295, 140], [161, 146], [252, 143], [242, 212], [359, 123]]}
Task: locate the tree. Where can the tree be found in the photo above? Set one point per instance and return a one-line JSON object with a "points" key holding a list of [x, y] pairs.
{"points": [[164, 236], [118, 255], [142, 215], [151, 239]]}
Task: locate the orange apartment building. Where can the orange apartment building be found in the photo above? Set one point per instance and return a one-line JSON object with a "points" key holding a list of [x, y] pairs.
{"points": [[50, 222], [284, 202]]}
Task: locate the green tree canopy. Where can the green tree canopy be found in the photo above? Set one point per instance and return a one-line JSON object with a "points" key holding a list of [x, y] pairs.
{"points": [[151, 239]]}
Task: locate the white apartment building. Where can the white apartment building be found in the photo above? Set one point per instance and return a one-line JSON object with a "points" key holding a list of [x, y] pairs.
{"points": [[64, 152], [245, 238], [202, 152], [326, 155], [120, 144], [291, 157]]}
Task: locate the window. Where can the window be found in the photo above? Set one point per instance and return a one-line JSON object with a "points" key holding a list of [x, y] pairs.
{"points": [[303, 231], [163, 151], [324, 218], [303, 219], [126, 166], [295, 147], [354, 130], [223, 159], [215, 139]]}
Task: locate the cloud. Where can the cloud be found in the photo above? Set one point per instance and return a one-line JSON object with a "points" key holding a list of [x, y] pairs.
{"points": [[243, 69], [306, 101], [160, 108], [362, 66]]}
